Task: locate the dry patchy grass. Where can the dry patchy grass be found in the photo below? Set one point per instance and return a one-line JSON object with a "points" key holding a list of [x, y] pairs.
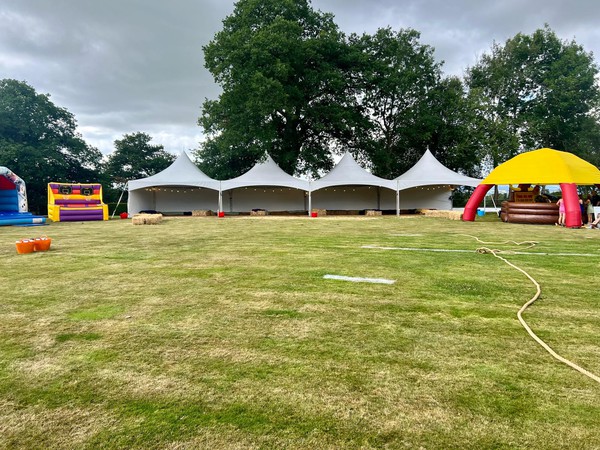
{"points": [[202, 332]]}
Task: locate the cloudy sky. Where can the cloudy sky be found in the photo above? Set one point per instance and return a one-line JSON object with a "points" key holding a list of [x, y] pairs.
{"points": [[122, 66]]}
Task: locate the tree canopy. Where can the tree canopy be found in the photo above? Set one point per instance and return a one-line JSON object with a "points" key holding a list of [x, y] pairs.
{"points": [[39, 142], [296, 87], [135, 157], [286, 75], [536, 91], [406, 104]]}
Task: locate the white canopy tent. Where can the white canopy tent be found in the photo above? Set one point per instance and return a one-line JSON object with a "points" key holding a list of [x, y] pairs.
{"points": [[180, 187], [184, 187], [266, 186], [348, 186], [428, 183]]}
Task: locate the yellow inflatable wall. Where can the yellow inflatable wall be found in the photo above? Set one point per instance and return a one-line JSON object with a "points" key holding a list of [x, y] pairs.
{"points": [[70, 202]]}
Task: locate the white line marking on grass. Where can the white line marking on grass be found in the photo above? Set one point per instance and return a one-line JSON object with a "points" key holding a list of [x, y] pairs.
{"points": [[358, 279], [406, 235], [410, 249]]}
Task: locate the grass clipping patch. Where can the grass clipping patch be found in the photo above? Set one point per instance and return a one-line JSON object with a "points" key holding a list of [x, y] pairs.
{"points": [[147, 219]]}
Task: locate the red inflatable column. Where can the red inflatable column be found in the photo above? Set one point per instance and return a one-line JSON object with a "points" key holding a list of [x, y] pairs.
{"points": [[572, 208], [476, 198]]}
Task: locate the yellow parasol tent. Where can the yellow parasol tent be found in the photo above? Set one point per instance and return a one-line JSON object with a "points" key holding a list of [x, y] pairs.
{"points": [[543, 166]]}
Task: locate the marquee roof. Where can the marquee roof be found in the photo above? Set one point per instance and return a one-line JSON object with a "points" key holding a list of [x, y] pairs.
{"points": [[266, 173], [182, 172], [429, 171], [544, 166], [347, 172]]}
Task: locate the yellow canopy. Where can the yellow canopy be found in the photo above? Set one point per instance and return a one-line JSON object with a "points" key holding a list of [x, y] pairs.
{"points": [[544, 166]]}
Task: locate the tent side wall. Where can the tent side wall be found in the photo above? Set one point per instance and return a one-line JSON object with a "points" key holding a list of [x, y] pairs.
{"points": [[140, 200], [348, 198], [270, 198], [365, 197], [172, 199], [426, 197]]}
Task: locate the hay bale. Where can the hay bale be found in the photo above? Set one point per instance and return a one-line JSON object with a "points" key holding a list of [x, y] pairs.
{"points": [[147, 219], [201, 212], [320, 212], [259, 212], [452, 215], [373, 212]]}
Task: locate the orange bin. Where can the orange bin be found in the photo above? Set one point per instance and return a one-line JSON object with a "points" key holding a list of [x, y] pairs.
{"points": [[25, 246], [42, 244]]}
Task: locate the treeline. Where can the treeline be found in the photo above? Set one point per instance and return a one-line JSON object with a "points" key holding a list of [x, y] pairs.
{"points": [[40, 143], [295, 86]]}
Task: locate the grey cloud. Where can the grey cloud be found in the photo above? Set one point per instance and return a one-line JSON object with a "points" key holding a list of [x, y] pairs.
{"points": [[136, 65]]}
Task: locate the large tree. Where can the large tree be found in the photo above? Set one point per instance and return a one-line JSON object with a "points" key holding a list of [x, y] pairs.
{"points": [[286, 74], [39, 142], [536, 91], [135, 157], [409, 107]]}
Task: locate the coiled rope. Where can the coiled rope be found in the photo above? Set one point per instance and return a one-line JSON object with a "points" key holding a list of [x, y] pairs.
{"points": [[496, 252]]}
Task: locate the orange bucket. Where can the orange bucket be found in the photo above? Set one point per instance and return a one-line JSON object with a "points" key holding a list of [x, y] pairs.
{"points": [[42, 244], [25, 246]]}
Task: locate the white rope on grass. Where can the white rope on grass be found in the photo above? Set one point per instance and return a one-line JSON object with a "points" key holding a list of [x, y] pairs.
{"points": [[496, 252], [529, 303], [447, 250], [530, 243]]}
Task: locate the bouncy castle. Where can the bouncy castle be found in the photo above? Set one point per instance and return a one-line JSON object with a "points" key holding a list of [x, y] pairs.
{"points": [[69, 202], [13, 201]]}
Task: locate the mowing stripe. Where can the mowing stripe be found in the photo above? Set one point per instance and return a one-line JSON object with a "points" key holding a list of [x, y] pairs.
{"points": [[358, 279], [411, 249]]}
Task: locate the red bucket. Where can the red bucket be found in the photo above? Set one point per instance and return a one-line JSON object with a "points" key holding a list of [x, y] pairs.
{"points": [[221, 213], [313, 214]]}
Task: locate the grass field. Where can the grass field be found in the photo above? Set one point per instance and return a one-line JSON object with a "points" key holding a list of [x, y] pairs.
{"points": [[223, 334]]}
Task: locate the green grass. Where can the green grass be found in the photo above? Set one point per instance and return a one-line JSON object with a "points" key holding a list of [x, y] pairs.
{"points": [[222, 333]]}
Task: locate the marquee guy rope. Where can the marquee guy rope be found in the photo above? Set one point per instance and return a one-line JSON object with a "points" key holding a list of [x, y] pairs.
{"points": [[496, 252]]}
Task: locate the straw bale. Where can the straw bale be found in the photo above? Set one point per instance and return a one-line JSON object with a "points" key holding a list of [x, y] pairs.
{"points": [[372, 212], [259, 212], [320, 212], [201, 212], [452, 215], [147, 219]]}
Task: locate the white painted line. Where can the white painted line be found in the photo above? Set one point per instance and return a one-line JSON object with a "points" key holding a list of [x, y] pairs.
{"points": [[406, 235], [410, 249], [358, 279]]}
